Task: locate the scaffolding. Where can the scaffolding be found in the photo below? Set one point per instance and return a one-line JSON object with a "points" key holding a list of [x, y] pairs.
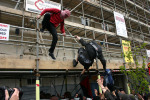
{"points": [[90, 19], [100, 16]]}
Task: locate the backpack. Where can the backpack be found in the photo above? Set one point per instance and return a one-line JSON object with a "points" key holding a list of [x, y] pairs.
{"points": [[83, 57], [108, 79]]}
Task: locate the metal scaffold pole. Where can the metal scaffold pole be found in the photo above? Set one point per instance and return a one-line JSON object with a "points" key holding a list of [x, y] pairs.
{"points": [[61, 4], [102, 15], [84, 20], [37, 65], [23, 17], [99, 77], [77, 6]]}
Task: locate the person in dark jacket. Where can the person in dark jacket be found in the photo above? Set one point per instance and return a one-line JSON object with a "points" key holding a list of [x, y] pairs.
{"points": [[93, 50], [52, 18]]}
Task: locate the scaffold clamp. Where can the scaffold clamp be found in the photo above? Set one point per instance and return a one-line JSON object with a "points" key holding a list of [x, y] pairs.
{"points": [[36, 73]]}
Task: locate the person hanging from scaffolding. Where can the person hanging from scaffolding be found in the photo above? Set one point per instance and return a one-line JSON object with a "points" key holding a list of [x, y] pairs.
{"points": [[86, 56], [52, 18]]}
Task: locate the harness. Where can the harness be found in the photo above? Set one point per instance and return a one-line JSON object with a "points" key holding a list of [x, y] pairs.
{"points": [[96, 49]]}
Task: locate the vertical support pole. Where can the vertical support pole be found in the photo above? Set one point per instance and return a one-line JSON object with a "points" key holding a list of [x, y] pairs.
{"points": [[104, 25], [62, 86], [74, 54], [100, 90], [104, 45], [75, 83], [147, 18], [141, 51], [84, 20], [66, 83], [137, 15], [64, 58], [148, 27], [141, 33], [114, 4], [128, 88], [98, 76], [102, 11], [21, 55], [37, 65], [63, 36], [61, 4], [93, 35]]}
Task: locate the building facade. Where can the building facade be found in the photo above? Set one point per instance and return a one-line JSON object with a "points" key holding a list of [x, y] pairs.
{"points": [[24, 57]]}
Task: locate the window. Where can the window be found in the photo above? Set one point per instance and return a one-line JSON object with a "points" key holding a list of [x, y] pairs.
{"points": [[105, 27], [85, 21]]}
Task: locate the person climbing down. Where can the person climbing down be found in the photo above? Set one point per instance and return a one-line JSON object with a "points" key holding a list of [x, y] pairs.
{"points": [[52, 18], [86, 57]]}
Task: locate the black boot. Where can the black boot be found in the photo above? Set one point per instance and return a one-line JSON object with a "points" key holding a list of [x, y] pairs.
{"points": [[52, 56], [74, 63]]}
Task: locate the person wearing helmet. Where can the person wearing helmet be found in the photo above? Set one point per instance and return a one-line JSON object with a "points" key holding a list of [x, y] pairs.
{"points": [[52, 18]]}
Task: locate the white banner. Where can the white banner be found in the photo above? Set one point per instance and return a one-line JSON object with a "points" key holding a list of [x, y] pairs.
{"points": [[120, 25], [148, 53], [4, 31], [37, 6]]}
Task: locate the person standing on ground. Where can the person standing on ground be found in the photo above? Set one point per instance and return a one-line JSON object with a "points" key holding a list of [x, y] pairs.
{"points": [[52, 18]]}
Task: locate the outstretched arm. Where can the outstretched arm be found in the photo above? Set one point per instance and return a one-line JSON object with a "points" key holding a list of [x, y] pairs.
{"points": [[62, 28], [83, 71], [100, 83], [83, 43]]}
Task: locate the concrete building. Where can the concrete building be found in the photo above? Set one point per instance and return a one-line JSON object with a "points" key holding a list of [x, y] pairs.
{"points": [[24, 58]]}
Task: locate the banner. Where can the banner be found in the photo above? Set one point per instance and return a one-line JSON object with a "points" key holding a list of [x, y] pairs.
{"points": [[120, 25], [126, 49], [148, 53], [4, 31], [36, 6]]}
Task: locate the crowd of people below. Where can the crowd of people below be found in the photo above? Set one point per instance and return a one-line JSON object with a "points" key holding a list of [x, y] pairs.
{"points": [[108, 93]]}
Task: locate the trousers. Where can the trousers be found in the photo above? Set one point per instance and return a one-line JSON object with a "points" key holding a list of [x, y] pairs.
{"points": [[99, 54], [46, 24]]}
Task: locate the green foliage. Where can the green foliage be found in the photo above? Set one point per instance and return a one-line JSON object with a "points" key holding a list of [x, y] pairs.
{"points": [[136, 75]]}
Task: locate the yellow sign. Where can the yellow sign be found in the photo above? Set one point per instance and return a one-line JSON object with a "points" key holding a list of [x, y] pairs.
{"points": [[126, 50]]}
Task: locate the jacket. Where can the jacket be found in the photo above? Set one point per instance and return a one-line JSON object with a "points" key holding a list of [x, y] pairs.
{"points": [[55, 17], [90, 49]]}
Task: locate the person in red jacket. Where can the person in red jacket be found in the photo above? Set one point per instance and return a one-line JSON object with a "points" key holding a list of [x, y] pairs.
{"points": [[52, 18]]}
